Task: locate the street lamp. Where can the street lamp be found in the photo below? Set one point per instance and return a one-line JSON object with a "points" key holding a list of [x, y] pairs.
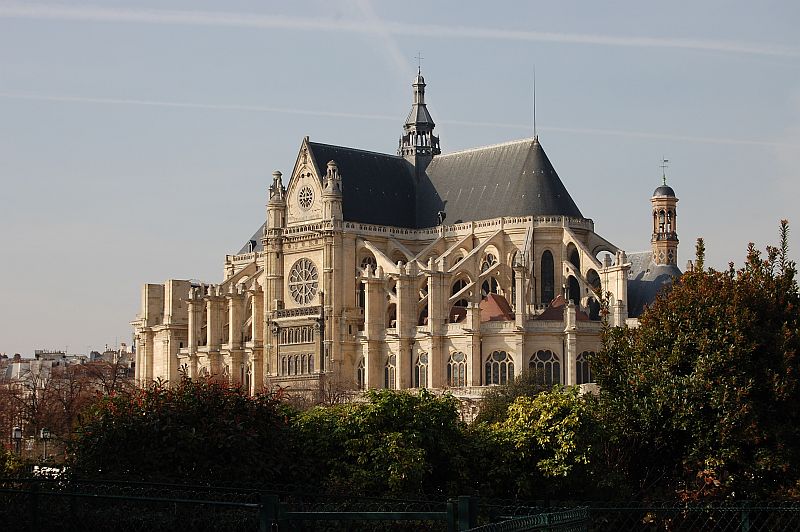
{"points": [[44, 435], [16, 435]]}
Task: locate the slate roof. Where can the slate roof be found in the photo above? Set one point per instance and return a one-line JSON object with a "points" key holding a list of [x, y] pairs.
{"points": [[647, 279], [376, 188], [258, 246], [511, 179]]}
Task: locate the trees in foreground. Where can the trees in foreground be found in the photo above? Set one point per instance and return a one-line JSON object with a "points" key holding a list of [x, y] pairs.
{"points": [[699, 401]]}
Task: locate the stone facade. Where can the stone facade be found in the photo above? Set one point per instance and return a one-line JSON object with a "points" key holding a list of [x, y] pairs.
{"points": [[324, 294]]}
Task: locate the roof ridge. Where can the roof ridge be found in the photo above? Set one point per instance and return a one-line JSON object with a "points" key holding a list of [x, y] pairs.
{"points": [[394, 156], [507, 143]]}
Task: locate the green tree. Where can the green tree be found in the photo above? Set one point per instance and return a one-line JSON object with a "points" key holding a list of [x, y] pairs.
{"points": [[701, 399], [394, 443], [194, 431], [496, 399]]}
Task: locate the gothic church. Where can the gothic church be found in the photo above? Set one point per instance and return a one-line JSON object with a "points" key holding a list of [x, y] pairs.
{"points": [[415, 270]]}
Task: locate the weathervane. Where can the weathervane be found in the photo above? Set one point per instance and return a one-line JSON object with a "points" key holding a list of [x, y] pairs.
{"points": [[664, 165]]}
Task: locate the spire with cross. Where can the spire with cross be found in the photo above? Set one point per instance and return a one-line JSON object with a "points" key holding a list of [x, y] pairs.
{"points": [[664, 165]]}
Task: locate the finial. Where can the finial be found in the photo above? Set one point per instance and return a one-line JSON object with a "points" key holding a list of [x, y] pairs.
{"points": [[419, 63], [664, 167]]}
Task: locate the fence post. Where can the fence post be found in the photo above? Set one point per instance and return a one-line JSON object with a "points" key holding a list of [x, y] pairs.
{"points": [[744, 518], [35, 505], [467, 512], [451, 516], [267, 513]]}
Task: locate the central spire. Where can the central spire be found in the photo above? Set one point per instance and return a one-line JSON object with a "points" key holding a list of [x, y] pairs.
{"points": [[418, 139]]}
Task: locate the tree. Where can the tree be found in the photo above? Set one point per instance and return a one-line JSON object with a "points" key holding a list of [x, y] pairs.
{"points": [[701, 399], [197, 431], [496, 399], [394, 443]]}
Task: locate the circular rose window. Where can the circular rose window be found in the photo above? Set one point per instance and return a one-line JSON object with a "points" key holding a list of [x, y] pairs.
{"points": [[305, 197], [303, 281]]}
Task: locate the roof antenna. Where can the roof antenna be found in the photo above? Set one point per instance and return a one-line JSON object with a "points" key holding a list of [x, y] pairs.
{"points": [[535, 134], [664, 167]]}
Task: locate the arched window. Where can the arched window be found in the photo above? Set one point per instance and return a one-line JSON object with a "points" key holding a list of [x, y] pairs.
{"points": [[369, 260], [573, 256], [390, 373], [547, 367], [661, 221], [421, 371], [583, 368], [284, 366], [489, 286], [457, 370], [303, 364], [574, 290], [391, 316], [296, 364], [311, 363], [361, 374], [291, 366], [488, 261], [548, 278], [499, 368]]}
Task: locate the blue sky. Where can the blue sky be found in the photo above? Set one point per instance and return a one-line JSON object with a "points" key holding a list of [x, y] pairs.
{"points": [[137, 139]]}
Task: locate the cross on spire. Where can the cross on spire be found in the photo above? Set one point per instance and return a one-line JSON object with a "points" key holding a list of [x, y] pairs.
{"points": [[664, 165], [419, 59]]}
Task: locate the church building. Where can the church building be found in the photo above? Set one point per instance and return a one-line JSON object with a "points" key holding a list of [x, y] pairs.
{"points": [[410, 270]]}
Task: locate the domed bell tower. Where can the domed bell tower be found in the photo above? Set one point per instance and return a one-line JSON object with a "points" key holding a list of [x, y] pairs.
{"points": [[665, 236]]}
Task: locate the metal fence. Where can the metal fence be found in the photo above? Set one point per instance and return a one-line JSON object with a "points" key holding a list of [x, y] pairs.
{"points": [[59, 504], [744, 516]]}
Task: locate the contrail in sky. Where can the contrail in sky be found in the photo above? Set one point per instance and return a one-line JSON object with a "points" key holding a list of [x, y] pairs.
{"points": [[371, 26], [366, 116]]}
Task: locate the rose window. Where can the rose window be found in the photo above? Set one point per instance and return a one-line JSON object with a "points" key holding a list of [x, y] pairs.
{"points": [[303, 281], [305, 197]]}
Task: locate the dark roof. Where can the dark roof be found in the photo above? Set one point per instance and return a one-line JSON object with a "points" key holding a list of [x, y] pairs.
{"points": [[376, 188], [647, 280], [511, 179], [255, 240], [664, 190]]}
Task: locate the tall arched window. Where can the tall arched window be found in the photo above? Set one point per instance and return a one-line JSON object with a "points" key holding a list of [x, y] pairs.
{"points": [[548, 278], [390, 373], [361, 374], [499, 368], [583, 368], [421, 371], [547, 366], [457, 370], [291, 366]]}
